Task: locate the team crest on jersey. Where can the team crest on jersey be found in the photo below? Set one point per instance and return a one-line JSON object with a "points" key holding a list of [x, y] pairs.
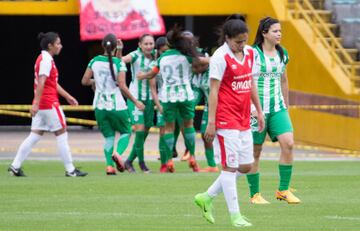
{"points": [[233, 66]]}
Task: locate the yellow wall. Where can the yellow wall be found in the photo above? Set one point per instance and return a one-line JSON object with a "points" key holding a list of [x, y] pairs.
{"points": [[326, 129]]}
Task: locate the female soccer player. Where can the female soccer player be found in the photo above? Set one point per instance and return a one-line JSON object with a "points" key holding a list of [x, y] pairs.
{"points": [[110, 108], [271, 79], [140, 60], [231, 93], [46, 112], [176, 94]]}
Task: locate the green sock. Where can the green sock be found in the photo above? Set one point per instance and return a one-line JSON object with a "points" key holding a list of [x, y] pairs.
{"points": [[285, 172], [176, 134], [190, 139], [108, 150], [132, 155], [139, 145], [169, 141], [209, 153], [254, 183], [123, 142], [162, 149]]}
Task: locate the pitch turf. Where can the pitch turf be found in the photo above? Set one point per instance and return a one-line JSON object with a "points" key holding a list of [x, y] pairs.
{"points": [[46, 200]]}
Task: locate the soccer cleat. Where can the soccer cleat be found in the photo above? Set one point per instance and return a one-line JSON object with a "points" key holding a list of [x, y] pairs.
{"points": [[288, 196], [76, 173], [170, 166], [163, 168], [192, 164], [16, 171], [110, 170], [210, 169], [258, 199], [239, 221], [118, 162], [186, 155], [204, 202], [129, 166], [143, 167], [292, 190]]}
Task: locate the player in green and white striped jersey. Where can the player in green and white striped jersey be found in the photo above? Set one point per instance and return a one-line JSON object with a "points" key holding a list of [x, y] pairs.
{"points": [[201, 88], [270, 76], [176, 94], [140, 60], [110, 107]]}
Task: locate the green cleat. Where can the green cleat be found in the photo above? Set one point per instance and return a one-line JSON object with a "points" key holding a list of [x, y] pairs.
{"points": [[204, 201], [239, 221]]}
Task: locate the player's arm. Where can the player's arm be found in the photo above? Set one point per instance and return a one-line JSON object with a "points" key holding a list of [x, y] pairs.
{"points": [[154, 95], [86, 79], [125, 90], [213, 102], [256, 102], [285, 88], [147, 75], [69, 98], [38, 92]]}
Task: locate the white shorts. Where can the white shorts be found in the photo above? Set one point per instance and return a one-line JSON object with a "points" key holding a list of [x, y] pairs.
{"points": [[49, 119], [233, 147]]}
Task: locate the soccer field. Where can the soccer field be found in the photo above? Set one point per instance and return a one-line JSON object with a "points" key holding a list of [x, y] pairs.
{"points": [[46, 200]]}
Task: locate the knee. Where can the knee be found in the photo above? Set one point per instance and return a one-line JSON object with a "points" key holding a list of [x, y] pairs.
{"points": [[257, 152]]}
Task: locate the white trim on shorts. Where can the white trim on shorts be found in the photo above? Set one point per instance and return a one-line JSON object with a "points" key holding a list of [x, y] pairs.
{"points": [[49, 119], [233, 147]]}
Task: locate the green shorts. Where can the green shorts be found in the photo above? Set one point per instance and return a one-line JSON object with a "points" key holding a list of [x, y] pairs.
{"points": [[204, 120], [276, 123], [160, 119], [185, 109], [198, 96], [145, 117], [111, 121]]}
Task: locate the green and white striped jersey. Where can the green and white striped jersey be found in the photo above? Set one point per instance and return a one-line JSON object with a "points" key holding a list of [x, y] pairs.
{"points": [[175, 70], [267, 74], [140, 89], [159, 81], [107, 94], [201, 81]]}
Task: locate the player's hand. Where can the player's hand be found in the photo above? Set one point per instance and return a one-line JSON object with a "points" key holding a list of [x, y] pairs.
{"points": [[261, 122], [34, 109], [210, 132], [160, 109], [140, 105], [140, 75], [119, 44], [72, 101]]}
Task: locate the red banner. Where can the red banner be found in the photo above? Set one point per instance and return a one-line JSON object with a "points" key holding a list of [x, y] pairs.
{"points": [[127, 19]]}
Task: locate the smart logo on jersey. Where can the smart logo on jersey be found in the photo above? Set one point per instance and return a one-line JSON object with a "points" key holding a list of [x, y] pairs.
{"points": [[241, 86]]}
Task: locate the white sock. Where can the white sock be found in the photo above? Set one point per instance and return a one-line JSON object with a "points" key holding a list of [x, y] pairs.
{"points": [[25, 149], [215, 189], [228, 184], [64, 151]]}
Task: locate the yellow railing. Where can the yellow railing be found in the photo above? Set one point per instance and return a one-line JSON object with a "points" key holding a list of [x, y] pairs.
{"points": [[305, 9]]}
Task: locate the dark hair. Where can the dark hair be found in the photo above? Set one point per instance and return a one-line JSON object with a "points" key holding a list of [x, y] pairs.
{"points": [[236, 16], [141, 38], [264, 26], [161, 41], [109, 44], [231, 28], [46, 39], [178, 41]]}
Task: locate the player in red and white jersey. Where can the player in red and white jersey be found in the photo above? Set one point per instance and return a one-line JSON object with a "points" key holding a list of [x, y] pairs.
{"points": [[231, 93], [46, 112]]}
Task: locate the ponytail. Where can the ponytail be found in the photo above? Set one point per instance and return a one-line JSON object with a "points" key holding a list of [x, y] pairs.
{"points": [[109, 44]]}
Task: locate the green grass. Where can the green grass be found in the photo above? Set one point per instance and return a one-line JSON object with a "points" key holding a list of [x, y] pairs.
{"points": [[46, 200]]}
